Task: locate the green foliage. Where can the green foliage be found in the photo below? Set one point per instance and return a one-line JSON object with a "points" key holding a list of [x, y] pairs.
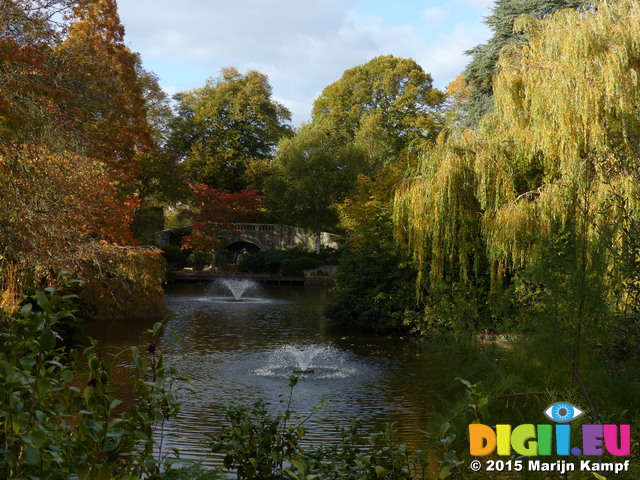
{"points": [[483, 66], [357, 456], [312, 172], [259, 445], [388, 95], [146, 223], [287, 262], [226, 130], [375, 115], [472, 408], [174, 254], [375, 283], [375, 288], [297, 266], [267, 261], [199, 260], [545, 197], [60, 416]]}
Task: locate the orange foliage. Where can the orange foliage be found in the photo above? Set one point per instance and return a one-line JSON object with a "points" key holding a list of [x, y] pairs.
{"points": [[72, 123], [105, 69], [215, 210]]}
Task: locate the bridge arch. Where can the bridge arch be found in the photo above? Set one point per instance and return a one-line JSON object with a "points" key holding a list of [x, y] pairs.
{"points": [[242, 246]]}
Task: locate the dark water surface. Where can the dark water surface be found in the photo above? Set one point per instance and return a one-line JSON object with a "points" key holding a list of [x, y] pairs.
{"points": [[247, 349]]}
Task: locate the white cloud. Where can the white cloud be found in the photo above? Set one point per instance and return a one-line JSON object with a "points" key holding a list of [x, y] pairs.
{"points": [[301, 46]]}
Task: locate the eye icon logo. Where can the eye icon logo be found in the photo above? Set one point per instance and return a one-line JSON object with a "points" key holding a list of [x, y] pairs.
{"points": [[562, 412]]}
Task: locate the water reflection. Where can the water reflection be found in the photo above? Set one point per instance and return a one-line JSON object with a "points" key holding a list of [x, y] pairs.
{"points": [[247, 349]]}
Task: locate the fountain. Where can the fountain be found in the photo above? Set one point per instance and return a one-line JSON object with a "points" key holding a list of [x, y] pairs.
{"points": [[319, 361], [238, 287]]}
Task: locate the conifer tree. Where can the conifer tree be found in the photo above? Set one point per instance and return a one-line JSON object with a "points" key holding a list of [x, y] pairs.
{"points": [[483, 66]]}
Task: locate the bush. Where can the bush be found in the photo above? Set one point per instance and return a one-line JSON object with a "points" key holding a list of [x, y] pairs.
{"points": [[199, 260], [287, 262], [122, 282], [174, 254], [297, 266], [375, 288], [259, 446], [66, 421]]}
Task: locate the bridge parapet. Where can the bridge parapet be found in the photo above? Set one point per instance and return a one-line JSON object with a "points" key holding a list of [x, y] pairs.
{"points": [[270, 235], [264, 236]]}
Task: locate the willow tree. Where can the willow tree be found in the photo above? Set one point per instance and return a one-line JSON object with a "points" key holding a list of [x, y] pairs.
{"points": [[553, 171]]}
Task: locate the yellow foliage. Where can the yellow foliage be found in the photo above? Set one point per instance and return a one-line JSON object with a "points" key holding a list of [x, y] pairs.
{"points": [[562, 147]]}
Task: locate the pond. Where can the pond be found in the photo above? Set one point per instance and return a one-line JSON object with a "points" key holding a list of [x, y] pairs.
{"points": [[247, 349]]}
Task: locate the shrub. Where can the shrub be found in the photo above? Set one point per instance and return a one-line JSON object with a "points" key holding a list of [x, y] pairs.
{"points": [[287, 262], [268, 261], [297, 266], [65, 419], [260, 446], [199, 260], [122, 282], [174, 254]]}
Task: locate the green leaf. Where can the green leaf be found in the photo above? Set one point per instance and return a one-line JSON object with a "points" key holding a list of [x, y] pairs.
{"points": [[25, 311], [104, 473], [449, 440], [44, 385], [7, 370], [67, 376], [94, 363], [27, 362], [137, 359], [32, 455], [452, 458], [42, 300], [48, 340], [444, 471], [298, 465], [37, 437], [291, 474]]}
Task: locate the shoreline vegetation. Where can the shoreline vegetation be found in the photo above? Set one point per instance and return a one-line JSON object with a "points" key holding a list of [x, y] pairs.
{"points": [[500, 219]]}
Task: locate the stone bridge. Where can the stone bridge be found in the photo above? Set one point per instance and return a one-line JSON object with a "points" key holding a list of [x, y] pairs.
{"points": [[252, 237], [266, 236]]}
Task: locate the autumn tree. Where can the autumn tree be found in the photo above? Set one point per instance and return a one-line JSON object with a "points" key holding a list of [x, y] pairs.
{"points": [[547, 188], [65, 184], [103, 78], [212, 212], [227, 131]]}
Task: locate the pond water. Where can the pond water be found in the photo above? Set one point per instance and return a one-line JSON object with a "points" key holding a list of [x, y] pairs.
{"points": [[247, 349]]}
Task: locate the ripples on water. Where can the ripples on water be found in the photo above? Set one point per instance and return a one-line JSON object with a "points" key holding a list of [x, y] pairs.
{"points": [[248, 349]]}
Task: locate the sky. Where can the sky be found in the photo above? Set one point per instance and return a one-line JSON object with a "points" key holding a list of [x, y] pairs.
{"points": [[301, 45]]}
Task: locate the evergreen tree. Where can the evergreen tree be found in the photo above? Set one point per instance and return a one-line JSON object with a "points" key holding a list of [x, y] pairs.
{"points": [[480, 72]]}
